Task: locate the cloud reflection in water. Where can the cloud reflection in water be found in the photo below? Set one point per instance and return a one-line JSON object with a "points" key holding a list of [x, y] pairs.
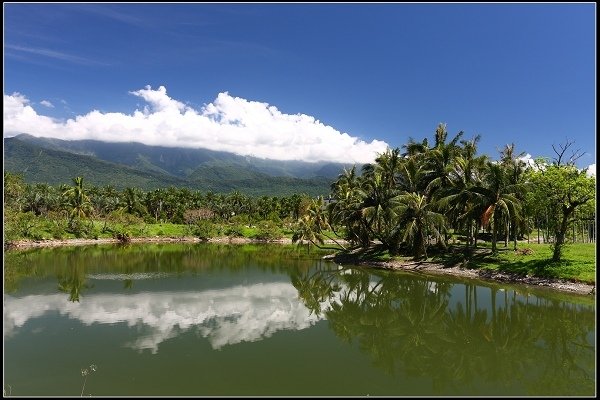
{"points": [[224, 316]]}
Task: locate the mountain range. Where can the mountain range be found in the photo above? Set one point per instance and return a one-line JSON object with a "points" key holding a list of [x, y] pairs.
{"points": [[55, 161]]}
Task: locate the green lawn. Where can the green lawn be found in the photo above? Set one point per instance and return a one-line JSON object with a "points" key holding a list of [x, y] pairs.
{"points": [[578, 264]]}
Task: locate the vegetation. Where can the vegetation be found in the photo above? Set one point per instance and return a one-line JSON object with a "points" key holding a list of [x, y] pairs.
{"points": [[43, 212], [440, 201], [123, 165]]}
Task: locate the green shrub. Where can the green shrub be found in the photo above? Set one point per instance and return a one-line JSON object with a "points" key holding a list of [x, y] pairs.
{"points": [[234, 231], [80, 228], [203, 229], [122, 235], [268, 230]]}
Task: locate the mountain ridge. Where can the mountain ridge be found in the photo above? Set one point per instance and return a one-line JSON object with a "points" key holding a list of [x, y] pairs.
{"points": [[182, 161], [56, 161]]}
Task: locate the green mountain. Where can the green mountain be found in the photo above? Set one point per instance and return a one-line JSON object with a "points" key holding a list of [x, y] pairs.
{"points": [[56, 161], [182, 162]]}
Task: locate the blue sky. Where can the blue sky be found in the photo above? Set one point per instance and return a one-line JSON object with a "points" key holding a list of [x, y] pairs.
{"points": [[379, 73]]}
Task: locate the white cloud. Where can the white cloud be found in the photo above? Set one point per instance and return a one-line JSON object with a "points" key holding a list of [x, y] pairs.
{"points": [[224, 317], [591, 170], [229, 123], [535, 163], [47, 103], [528, 160]]}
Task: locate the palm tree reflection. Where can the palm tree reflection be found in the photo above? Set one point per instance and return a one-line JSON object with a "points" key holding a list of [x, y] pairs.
{"points": [[407, 326], [71, 280]]}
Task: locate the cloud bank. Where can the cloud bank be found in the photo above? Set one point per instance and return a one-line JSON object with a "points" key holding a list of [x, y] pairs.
{"points": [[231, 124]]}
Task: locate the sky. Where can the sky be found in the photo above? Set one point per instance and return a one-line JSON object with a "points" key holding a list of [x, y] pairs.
{"points": [[332, 82]]}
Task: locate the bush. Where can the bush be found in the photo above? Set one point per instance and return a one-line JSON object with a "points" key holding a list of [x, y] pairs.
{"points": [[124, 218], [80, 228], [234, 231], [122, 235], [57, 225], [203, 229], [268, 230]]}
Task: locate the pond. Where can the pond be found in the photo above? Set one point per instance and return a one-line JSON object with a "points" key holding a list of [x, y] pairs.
{"points": [[272, 320]]}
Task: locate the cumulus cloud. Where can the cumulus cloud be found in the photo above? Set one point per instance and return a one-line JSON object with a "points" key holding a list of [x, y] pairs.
{"points": [[591, 170], [229, 123], [528, 160], [47, 103]]}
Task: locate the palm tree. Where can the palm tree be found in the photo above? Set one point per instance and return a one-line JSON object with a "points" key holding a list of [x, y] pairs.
{"points": [[417, 220], [78, 200], [497, 198], [439, 159], [459, 202], [132, 201], [515, 168], [311, 225], [346, 209]]}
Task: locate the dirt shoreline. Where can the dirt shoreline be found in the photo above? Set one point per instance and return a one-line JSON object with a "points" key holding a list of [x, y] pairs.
{"points": [[422, 267], [434, 268], [27, 244]]}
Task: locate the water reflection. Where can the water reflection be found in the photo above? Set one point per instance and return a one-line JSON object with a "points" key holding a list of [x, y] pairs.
{"points": [[408, 327], [224, 316], [72, 280], [457, 338]]}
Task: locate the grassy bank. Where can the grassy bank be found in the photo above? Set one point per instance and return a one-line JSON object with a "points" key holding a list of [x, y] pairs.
{"points": [[531, 259]]}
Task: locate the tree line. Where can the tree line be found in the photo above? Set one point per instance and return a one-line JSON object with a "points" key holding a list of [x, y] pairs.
{"points": [[422, 195], [72, 209], [409, 200]]}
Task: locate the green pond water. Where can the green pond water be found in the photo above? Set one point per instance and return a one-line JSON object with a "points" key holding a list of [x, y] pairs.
{"points": [[270, 320]]}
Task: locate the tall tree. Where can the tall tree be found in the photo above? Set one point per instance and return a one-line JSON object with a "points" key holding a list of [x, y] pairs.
{"points": [[565, 188], [497, 197], [417, 220], [80, 206], [515, 173]]}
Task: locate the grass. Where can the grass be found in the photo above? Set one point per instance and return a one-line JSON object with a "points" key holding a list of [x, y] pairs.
{"points": [[578, 264], [579, 259]]}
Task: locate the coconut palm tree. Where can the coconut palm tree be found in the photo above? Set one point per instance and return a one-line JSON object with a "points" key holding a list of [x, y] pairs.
{"points": [[311, 226], [417, 220], [132, 201], [515, 170], [497, 198], [78, 200], [459, 202]]}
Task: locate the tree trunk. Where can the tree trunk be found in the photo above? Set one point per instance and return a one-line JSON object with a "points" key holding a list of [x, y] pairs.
{"points": [[515, 234], [494, 232], [559, 240]]}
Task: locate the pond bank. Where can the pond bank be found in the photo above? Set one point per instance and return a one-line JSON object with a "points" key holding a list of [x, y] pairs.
{"points": [[483, 274], [421, 266], [26, 244]]}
